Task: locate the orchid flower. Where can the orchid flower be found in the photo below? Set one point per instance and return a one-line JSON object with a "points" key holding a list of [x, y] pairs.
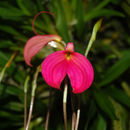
{"points": [[67, 62], [60, 64]]}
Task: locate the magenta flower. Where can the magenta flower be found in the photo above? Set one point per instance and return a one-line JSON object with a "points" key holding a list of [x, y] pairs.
{"points": [[61, 63]]}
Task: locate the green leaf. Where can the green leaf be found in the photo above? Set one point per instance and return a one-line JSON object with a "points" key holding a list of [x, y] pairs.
{"points": [[118, 95], [122, 115], [14, 106], [25, 6], [11, 13], [116, 70], [28, 7], [104, 103], [91, 113], [3, 59], [10, 116], [61, 22], [20, 75], [6, 44], [101, 123], [93, 36], [10, 90], [68, 11], [102, 4], [126, 7], [45, 17], [79, 14], [103, 12], [9, 29]]}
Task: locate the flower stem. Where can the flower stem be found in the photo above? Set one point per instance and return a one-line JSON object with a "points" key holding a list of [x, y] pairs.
{"points": [[64, 104], [25, 110], [47, 120], [73, 111], [77, 120], [34, 85], [48, 113], [25, 100], [73, 120], [30, 112], [78, 113]]}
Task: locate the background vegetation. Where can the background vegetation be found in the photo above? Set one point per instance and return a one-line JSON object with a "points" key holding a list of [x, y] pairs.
{"points": [[105, 105]]}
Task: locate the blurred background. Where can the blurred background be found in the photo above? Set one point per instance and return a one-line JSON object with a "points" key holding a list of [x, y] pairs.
{"points": [[105, 105]]}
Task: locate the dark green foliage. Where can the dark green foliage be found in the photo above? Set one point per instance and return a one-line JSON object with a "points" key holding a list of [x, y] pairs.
{"points": [[106, 104]]}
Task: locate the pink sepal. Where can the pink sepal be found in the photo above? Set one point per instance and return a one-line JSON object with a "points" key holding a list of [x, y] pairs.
{"points": [[35, 44]]}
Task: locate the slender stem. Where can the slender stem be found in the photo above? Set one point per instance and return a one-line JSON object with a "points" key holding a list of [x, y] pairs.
{"points": [[47, 120], [34, 85], [25, 110], [78, 113], [48, 113], [25, 100], [73, 111], [77, 120], [64, 105], [73, 120], [30, 112]]}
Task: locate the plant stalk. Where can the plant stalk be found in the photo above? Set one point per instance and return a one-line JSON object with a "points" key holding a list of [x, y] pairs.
{"points": [[30, 112], [25, 110], [25, 100], [64, 105], [78, 113], [73, 111], [77, 120], [34, 85], [73, 120], [49, 108]]}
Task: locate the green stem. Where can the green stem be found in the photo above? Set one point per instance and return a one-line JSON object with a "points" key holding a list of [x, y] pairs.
{"points": [[30, 112], [25, 100], [34, 85]]}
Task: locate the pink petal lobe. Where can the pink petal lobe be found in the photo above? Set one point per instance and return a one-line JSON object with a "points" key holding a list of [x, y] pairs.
{"points": [[80, 72], [54, 69], [35, 44]]}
